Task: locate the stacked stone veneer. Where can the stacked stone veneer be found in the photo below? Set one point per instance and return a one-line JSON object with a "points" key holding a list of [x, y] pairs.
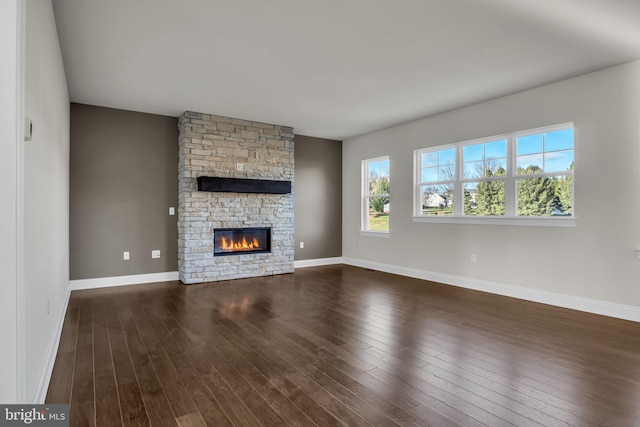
{"points": [[213, 146]]}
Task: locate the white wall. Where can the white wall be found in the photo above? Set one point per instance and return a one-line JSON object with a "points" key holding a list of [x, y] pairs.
{"points": [[9, 179], [46, 189], [595, 260]]}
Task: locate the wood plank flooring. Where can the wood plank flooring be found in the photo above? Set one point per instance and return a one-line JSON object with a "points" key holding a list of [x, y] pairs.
{"points": [[339, 345]]}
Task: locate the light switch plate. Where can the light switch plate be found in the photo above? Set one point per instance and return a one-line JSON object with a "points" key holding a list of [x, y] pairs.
{"points": [[172, 211], [28, 129], [155, 253]]}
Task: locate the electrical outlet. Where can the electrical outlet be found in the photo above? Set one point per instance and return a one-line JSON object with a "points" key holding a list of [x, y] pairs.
{"points": [[473, 259], [240, 166], [155, 253], [125, 256], [48, 306], [301, 245], [172, 211]]}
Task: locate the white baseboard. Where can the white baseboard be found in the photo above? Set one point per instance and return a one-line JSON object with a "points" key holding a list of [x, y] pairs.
{"points": [[45, 376], [103, 282], [604, 308], [106, 282], [317, 262]]}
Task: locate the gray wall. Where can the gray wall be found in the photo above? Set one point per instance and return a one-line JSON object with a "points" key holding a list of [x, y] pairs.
{"points": [[124, 178], [318, 198]]}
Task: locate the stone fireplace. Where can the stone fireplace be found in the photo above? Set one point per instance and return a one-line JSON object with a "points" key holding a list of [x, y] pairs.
{"points": [[223, 147]]}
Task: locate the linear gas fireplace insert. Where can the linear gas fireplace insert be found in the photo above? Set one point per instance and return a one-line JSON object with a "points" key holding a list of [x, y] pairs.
{"points": [[237, 241]]}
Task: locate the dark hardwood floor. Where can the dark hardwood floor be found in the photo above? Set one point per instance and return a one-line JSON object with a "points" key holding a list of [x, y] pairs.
{"points": [[340, 345]]}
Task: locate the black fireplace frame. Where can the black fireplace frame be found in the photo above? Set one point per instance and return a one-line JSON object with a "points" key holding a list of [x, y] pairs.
{"points": [[245, 252]]}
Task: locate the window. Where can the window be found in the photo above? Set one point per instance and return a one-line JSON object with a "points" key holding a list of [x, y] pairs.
{"points": [[484, 178], [375, 190], [545, 173], [437, 181], [522, 175]]}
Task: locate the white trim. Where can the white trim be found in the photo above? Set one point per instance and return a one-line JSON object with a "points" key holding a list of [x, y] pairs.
{"points": [[604, 308], [383, 234], [106, 282], [45, 376], [303, 263], [510, 179], [546, 221], [550, 128], [21, 299], [364, 188]]}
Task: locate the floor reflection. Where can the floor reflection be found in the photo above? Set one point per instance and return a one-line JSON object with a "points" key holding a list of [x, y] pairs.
{"points": [[354, 346]]}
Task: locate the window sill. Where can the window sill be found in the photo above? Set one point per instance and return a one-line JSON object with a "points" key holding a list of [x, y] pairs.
{"points": [[520, 221], [383, 234]]}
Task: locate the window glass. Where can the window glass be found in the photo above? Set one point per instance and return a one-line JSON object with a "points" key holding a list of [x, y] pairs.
{"points": [[557, 161], [529, 144], [438, 166], [545, 152], [436, 199], [483, 160], [558, 140], [513, 175], [545, 196], [484, 198], [376, 204]]}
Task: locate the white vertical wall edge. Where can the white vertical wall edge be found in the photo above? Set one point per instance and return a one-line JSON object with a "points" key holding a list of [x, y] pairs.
{"points": [[21, 300], [136, 279], [47, 369], [317, 262], [604, 308]]}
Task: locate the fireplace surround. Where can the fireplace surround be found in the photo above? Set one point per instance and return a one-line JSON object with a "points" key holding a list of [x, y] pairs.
{"points": [[235, 156]]}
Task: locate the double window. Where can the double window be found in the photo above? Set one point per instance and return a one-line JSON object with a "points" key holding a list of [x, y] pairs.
{"points": [[522, 174], [375, 203]]}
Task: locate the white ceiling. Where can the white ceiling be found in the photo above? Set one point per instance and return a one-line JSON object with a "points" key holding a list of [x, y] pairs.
{"points": [[332, 68]]}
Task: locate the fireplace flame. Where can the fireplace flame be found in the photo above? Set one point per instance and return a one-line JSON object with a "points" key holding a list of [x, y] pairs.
{"points": [[243, 245]]}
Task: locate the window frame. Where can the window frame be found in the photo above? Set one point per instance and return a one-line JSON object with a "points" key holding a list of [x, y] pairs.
{"points": [[511, 216], [365, 198]]}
